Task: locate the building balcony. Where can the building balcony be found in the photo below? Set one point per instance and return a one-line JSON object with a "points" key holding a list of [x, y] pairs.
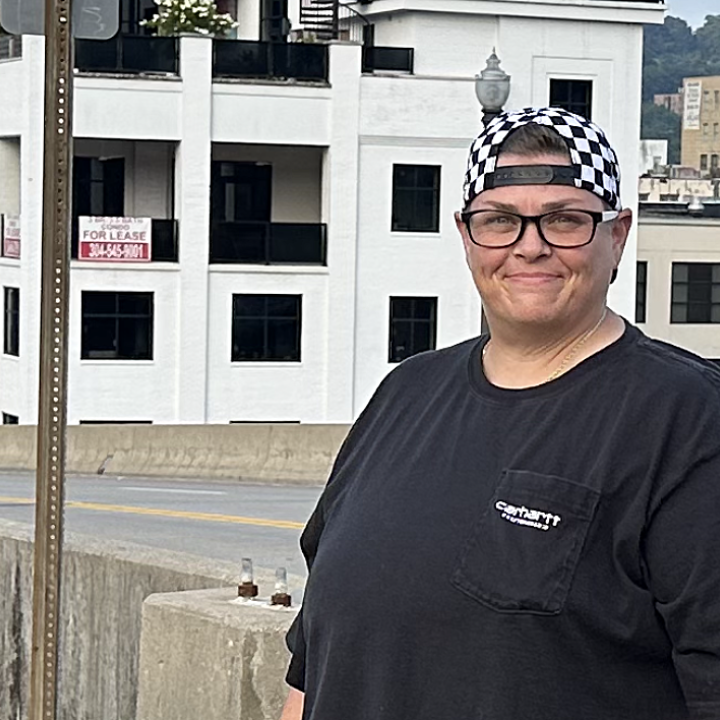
{"points": [[390, 59], [276, 61], [268, 243], [128, 54], [164, 240]]}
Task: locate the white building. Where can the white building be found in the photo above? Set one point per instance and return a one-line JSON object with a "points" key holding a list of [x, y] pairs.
{"points": [[678, 271], [336, 193], [653, 156]]}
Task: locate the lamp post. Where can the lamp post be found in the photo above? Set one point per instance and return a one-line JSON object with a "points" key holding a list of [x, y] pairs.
{"points": [[492, 87]]}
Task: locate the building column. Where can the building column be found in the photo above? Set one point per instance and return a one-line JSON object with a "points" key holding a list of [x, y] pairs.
{"points": [[31, 227], [192, 203], [340, 212]]}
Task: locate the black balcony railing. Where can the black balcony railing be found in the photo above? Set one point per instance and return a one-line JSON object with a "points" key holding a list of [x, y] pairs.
{"points": [[128, 54], [164, 240], [392, 59], [249, 59], [265, 243], [10, 47]]}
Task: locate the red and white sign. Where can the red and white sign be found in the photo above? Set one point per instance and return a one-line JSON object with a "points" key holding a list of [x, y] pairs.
{"points": [[11, 236], [114, 239]]}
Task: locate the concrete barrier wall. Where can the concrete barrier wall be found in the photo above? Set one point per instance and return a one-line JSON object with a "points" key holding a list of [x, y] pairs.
{"points": [[253, 452], [103, 587], [204, 655]]}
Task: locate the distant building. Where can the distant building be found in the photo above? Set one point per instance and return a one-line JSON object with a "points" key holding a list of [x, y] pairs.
{"points": [[701, 124], [678, 274], [653, 156], [672, 101], [663, 189]]}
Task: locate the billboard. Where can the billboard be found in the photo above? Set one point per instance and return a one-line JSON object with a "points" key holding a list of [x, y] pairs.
{"points": [[114, 239], [11, 236], [693, 99]]}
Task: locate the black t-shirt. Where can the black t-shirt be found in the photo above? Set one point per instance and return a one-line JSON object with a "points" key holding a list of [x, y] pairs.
{"points": [[550, 553]]}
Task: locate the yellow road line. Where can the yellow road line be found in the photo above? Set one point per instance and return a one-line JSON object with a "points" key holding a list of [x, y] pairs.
{"points": [[208, 517]]}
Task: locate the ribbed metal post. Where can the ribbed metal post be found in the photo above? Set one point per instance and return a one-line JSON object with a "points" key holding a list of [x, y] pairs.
{"points": [[53, 360]]}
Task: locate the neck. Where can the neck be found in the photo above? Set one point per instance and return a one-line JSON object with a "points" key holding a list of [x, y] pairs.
{"points": [[520, 359]]}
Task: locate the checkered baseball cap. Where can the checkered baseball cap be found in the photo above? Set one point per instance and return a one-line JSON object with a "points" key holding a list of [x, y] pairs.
{"points": [[594, 163]]}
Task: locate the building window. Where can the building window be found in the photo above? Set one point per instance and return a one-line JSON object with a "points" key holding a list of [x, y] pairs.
{"points": [[98, 190], [641, 292], [412, 326], [714, 159], [703, 162], [8, 419], [117, 326], [572, 95], [416, 198], [706, 129], [695, 293], [12, 321], [266, 327]]}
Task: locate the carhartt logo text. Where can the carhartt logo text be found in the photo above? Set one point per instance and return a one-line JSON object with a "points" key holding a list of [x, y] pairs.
{"points": [[527, 516]]}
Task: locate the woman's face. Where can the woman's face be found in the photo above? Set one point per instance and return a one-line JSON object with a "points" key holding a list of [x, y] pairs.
{"points": [[531, 282]]}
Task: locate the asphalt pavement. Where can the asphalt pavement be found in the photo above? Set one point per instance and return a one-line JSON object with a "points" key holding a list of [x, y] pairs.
{"points": [[217, 519]]}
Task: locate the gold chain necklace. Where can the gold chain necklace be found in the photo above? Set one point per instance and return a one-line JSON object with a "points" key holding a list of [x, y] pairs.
{"points": [[574, 350]]}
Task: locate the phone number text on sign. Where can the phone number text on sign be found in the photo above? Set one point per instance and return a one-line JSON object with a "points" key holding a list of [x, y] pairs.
{"points": [[115, 239], [115, 251]]}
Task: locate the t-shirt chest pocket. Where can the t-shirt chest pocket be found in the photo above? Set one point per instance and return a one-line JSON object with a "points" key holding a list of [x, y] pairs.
{"points": [[522, 554]]}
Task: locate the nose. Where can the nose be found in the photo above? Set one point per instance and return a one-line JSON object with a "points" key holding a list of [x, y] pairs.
{"points": [[530, 244]]}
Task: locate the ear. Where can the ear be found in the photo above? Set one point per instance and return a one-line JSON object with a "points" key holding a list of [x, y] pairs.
{"points": [[620, 231], [462, 229]]}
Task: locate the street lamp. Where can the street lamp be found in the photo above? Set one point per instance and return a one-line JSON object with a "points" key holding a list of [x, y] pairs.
{"points": [[492, 87]]}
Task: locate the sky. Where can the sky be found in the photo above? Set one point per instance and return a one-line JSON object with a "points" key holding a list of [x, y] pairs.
{"points": [[693, 11]]}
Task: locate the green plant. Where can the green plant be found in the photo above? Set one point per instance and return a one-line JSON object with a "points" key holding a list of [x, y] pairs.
{"points": [[189, 16]]}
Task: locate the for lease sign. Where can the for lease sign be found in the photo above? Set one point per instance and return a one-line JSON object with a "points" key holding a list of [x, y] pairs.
{"points": [[11, 236], [114, 239]]}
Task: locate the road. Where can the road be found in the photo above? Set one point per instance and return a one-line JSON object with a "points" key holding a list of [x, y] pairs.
{"points": [[216, 519]]}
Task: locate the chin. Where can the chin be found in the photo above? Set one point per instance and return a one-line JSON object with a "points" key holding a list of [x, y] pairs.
{"points": [[531, 314]]}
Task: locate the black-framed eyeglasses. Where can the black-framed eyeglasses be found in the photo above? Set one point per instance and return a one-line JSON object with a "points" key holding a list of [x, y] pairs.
{"points": [[560, 228]]}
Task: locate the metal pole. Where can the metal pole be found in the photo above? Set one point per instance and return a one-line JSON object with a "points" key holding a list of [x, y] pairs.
{"points": [[53, 360]]}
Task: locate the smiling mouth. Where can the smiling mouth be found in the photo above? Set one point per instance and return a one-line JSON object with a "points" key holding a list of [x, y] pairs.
{"points": [[532, 278]]}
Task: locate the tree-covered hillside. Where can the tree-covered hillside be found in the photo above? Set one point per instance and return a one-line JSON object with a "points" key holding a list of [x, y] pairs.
{"points": [[671, 52]]}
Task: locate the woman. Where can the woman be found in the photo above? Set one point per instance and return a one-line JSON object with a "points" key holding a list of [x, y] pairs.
{"points": [[525, 526]]}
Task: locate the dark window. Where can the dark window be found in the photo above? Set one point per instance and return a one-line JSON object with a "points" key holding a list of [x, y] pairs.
{"points": [[714, 159], [274, 22], [12, 321], [98, 190], [412, 326], [117, 326], [703, 162], [641, 292], [266, 327], [572, 95], [416, 198], [99, 186], [695, 293], [132, 12], [240, 191], [8, 419]]}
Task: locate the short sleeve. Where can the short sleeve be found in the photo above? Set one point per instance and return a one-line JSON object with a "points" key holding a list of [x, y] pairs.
{"points": [[682, 555]]}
